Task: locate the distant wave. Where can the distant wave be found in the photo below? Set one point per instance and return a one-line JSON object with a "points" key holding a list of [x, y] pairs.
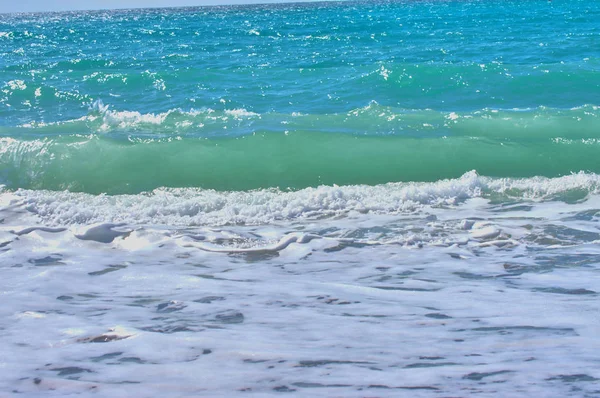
{"points": [[372, 119]]}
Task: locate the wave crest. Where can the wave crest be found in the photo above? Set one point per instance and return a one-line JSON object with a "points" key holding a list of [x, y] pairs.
{"points": [[194, 206]]}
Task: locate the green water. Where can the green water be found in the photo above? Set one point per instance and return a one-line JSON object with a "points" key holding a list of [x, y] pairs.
{"points": [[291, 96]]}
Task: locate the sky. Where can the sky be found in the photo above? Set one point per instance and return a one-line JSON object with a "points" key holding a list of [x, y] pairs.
{"points": [[66, 5]]}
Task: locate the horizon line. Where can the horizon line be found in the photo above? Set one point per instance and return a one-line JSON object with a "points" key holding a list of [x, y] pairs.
{"points": [[216, 4]]}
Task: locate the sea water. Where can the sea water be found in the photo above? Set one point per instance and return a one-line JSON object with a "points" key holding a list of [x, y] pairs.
{"points": [[323, 199]]}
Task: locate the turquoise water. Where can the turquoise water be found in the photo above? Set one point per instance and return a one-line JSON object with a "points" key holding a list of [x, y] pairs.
{"points": [[391, 199], [298, 95]]}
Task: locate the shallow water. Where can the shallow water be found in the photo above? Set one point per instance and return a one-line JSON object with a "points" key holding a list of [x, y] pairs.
{"points": [[474, 298]]}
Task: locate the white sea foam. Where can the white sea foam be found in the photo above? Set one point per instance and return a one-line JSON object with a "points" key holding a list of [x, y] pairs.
{"points": [[428, 288], [16, 85], [112, 119], [193, 206], [240, 113]]}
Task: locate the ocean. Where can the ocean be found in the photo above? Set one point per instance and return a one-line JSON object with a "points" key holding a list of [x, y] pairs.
{"points": [[344, 199]]}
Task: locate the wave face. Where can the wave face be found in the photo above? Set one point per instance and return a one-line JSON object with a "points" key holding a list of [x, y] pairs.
{"points": [[129, 152]]}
